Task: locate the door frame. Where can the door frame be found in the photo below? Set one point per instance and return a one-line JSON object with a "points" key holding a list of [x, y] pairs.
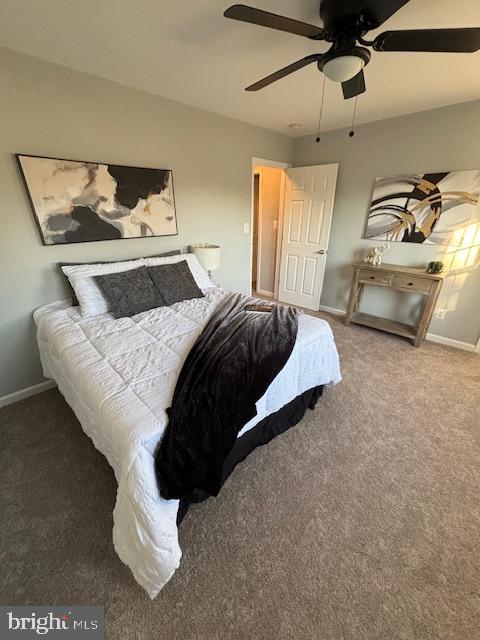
{"points": [[257, 172], [275, 164]]}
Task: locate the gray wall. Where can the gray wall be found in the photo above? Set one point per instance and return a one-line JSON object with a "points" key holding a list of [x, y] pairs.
{"points": [[53, 111], [441, 139]]}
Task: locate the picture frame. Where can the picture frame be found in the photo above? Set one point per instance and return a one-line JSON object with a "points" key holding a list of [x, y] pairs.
{"points": [[82, 201], [424, 208]]}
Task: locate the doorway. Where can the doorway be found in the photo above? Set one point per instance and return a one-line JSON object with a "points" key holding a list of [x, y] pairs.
{"points": [[291, 216], [268, 181]]}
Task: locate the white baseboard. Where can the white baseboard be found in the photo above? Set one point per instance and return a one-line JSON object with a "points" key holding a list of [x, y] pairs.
{"points": [[432, 337], [262, 292], [332, 310], [450, 342], [26, 393]]}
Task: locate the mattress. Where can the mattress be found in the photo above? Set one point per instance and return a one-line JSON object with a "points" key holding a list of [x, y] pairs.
{"points": [[119, 376]]}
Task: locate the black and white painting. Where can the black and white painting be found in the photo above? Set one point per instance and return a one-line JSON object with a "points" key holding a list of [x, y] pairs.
{"points": [[430, 208], [86, 201]]}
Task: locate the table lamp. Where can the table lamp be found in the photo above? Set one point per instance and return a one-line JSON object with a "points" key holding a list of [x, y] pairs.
{"points": [[208, 255]]}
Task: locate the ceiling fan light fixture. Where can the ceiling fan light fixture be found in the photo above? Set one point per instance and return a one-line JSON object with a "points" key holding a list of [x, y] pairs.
{"points": [[343, 68]]}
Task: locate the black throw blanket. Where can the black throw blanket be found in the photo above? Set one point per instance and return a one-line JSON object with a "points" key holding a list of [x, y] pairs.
{"points": [[229, 368]]}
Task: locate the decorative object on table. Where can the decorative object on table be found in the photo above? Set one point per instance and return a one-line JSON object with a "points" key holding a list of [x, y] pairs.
{"points": [[430, 208], [436, 266], [373, 255], [76, 201], [258, 308], [208, 255], [399, 278]]}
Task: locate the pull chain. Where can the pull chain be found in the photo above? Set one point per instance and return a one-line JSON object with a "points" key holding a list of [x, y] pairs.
{"points": [[317, 139], [352, 131]]}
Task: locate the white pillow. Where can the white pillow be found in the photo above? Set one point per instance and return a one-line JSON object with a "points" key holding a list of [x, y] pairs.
{"points": [[92, 302], [198, 272]]}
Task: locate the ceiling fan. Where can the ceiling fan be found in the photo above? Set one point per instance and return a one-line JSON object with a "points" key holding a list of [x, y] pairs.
{"points": [[345, 23]]}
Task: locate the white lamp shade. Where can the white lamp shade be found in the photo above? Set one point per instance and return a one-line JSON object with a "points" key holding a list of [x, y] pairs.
{"points": [[208, 255], [343, 68]]}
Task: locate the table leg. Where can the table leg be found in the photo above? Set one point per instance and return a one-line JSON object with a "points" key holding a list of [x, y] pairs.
{"points": [[358, 298], [427, 313], [352, 300]]}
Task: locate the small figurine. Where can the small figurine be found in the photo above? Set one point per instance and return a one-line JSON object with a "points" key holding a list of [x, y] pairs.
{"points": [[436, 266], [373, 255]]}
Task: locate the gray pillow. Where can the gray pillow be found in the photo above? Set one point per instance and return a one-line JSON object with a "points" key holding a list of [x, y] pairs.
{"points": [[75, 303], [175, 282], [129, 292]]}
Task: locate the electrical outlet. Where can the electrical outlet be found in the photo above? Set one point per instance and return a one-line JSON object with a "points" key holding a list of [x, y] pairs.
{"points": [[275, 224], [440, 314], [246, 227]]}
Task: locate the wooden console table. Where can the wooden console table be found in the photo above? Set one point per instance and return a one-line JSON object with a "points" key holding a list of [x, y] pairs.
{"points": [[409, 279]]}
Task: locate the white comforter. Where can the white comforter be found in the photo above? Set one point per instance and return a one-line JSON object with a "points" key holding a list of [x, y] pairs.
{"points": [[119, 376]]}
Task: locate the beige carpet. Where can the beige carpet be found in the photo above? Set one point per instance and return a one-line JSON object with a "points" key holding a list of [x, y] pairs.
{"points": [[363, 522]]}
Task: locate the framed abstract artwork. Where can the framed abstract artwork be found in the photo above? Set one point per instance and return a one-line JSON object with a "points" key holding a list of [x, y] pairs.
{"points": [[429, 208], [75, 201]]}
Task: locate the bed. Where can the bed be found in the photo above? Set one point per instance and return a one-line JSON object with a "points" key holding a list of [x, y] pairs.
{"points": [[119, 377]]}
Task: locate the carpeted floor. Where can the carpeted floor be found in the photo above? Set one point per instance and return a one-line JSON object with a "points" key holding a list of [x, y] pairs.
{"points": [[361, 523]]}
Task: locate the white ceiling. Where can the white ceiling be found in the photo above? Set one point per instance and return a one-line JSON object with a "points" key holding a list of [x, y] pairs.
{"points": [[186, 50]]}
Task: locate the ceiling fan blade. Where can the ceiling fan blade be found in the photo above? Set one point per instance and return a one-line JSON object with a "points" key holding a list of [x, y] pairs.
{"points": [[273, 21], [436, 40], [281, 73], [355, 86], [376, 12]]}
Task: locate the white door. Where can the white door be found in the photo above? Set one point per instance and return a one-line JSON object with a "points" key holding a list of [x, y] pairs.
{"points": [[309, 196]]}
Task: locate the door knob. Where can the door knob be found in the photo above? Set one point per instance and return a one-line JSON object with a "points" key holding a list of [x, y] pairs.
{"points": [[321, 252]]}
